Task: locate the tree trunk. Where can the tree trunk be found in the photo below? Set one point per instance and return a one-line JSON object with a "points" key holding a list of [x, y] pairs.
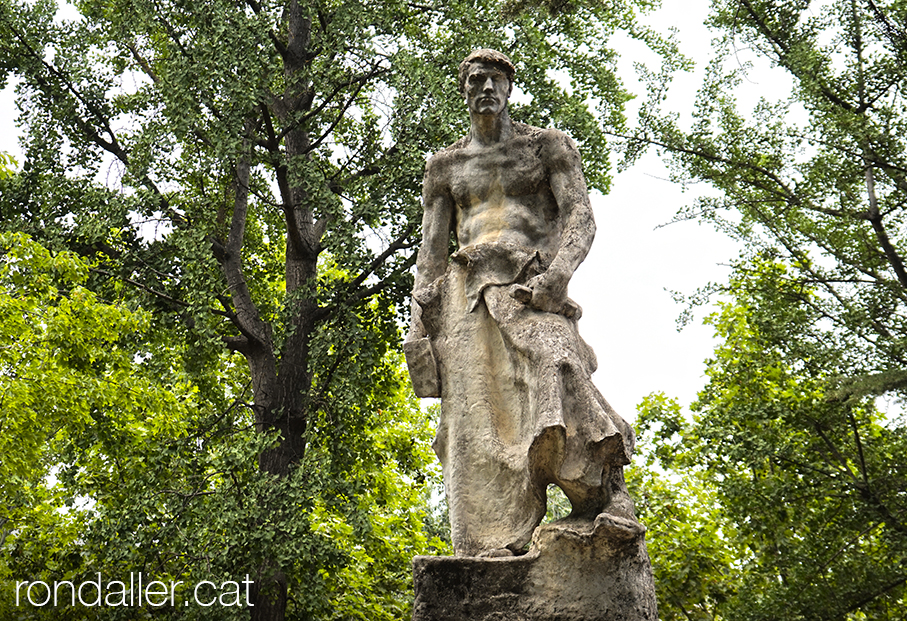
{"points": [[284, 381]]}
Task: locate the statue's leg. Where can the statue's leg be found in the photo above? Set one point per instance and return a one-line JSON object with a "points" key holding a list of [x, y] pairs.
{"points": [[484, 432], [577, 441], [619, 501], [611, 498]]}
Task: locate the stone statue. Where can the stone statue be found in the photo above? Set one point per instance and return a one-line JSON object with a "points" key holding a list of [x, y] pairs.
{"points": [[495, 335]]}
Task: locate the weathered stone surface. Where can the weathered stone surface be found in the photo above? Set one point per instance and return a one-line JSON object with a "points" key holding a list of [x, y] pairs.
{"points": [[495, 335], [573, 572], [423, 368]]}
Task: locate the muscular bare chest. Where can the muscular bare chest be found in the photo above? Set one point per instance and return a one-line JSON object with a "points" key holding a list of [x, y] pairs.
{"points": [[493, 174]]}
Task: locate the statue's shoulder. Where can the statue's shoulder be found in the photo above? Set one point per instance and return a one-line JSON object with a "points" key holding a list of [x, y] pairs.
{"points": [[439, 162], [553, 141], [530, 132]]}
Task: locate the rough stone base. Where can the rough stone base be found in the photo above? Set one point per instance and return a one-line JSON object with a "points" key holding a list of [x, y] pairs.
{"points": [[573, 572]]}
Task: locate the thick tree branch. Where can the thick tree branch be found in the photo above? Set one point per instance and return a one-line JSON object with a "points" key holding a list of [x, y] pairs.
{"points": [[247, 317], [295, 238], [143, 63], [353, 292], [341, 114], [362, 294], [273, 142], [876, 594], [875, 218], [858, 442], [842, 464], [398, 244], [246, 339]]}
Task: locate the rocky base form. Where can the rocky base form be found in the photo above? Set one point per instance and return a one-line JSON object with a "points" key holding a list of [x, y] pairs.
{"points": [[574, 571]]}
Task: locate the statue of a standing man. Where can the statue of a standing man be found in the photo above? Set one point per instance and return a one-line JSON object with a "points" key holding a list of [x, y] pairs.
{"points": [[494, 333]]}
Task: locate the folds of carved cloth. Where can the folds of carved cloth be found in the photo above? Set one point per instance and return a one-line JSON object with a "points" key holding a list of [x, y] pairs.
{"points": [[519, 410]]}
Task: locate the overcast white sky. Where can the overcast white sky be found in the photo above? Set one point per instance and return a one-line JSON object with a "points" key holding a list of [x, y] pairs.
{"points": [[629, 317]]}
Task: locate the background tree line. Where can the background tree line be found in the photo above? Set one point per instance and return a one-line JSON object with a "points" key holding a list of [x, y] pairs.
{"points": [[786, 495], [207, 252], [206, 259]]}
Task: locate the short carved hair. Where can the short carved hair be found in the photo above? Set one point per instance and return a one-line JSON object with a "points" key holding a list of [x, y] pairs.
{"points": [[485, 55]]}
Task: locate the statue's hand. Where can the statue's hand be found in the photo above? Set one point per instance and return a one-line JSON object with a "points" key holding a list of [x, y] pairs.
{"points": [[537, 296], [416, 327], [549, 291]]}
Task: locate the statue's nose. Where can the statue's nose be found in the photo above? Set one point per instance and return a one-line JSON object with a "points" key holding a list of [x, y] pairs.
{"points": [[489, 84]]}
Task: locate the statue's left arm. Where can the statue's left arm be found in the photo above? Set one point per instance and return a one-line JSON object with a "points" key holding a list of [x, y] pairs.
{"points": [[549, 290]]}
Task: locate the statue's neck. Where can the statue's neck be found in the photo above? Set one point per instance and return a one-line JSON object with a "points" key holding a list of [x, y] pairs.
{"points": [[487, 129]]}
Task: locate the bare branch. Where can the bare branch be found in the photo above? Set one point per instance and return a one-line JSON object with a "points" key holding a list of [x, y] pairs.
{"points": [[146, 288], [875, 218], [247, 317]]}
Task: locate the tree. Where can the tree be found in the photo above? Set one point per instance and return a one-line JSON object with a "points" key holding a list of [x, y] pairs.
{"points": [[812, 478], [823, 194], [696, 550], [263, 163], [67, 363], [113, 465], [813, 332], [808, 486]]}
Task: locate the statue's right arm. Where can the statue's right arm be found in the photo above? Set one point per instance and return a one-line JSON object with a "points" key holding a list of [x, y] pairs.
{"points": [[437, 224]]}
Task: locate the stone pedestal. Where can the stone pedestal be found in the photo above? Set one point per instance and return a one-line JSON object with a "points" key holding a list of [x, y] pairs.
{"points": [[573, 572]]}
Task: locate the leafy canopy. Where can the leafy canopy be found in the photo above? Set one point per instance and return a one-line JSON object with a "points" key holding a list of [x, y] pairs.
{"points": [[788, 431], [244, 177]]}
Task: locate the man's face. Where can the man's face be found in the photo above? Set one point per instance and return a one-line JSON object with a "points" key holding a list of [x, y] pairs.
{"points": [[487, 89]]}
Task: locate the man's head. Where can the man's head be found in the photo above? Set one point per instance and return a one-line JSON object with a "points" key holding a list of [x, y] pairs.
{"points": [[490, 57], [486, 81]]}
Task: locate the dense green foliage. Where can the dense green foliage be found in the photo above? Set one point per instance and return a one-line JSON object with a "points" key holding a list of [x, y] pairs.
{"points": [[782, 498], [241, 182], [800, 432], [116, 461], [7, 165], [693, 542]]}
